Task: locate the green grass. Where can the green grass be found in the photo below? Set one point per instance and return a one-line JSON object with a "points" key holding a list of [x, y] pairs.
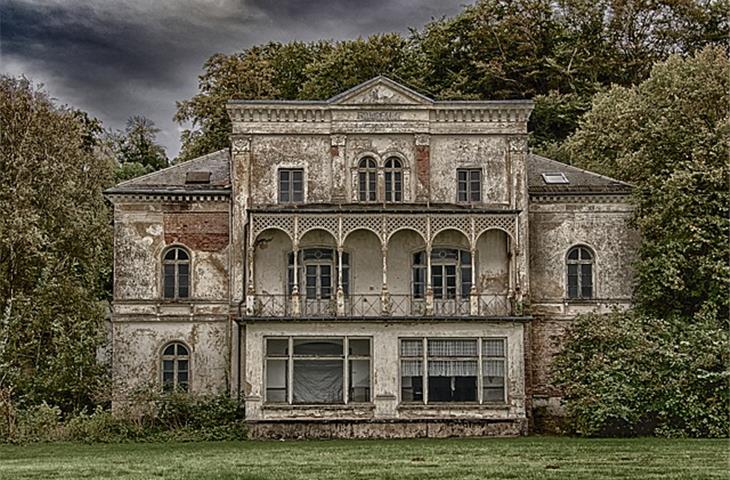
{"points": [[540, 458]]}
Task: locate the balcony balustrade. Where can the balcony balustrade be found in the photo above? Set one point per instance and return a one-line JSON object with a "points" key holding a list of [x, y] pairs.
{"points": [[380, 305]]}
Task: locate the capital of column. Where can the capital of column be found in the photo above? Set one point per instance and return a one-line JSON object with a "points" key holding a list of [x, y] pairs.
{"points": [[240, 144]]}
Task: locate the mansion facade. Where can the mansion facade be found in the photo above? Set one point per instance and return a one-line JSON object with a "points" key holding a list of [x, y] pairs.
{"points": [[375, 264]]}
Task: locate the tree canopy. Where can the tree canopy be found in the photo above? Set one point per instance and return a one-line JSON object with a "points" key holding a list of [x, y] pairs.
{"points": [[558, 53], [55, 248]]}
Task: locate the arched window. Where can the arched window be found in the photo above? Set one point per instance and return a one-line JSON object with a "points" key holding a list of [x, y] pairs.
{"points": [[393, 180], [318, 273], [580, 273], [450, 273], [367, 180], [176, 273], [175, 367]]}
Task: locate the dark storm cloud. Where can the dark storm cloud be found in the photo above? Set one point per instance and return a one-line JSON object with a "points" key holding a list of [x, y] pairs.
{"points": [[117, 59]]}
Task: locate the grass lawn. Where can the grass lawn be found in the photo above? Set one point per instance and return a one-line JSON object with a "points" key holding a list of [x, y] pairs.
{"points": [[530, 457]]}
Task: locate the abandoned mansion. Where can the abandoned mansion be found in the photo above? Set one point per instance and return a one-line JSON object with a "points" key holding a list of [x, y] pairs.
{"points": [[374, 264]]}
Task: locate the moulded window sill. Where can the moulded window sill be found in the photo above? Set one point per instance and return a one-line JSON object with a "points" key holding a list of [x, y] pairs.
{"points": [[454, 406], [342, 406]]}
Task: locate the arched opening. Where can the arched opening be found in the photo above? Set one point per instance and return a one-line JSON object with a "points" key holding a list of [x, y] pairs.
{"points": [[393, 173], [271, 249], [175, 367], [364, 295], [401, 247], [316, 275], [579, 265], [451, 273], [493, 280], [176, 273], [367, 180]]}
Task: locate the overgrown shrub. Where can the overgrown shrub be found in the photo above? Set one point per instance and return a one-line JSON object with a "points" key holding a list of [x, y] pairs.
{"points": [[625, 374], [175, 417]]}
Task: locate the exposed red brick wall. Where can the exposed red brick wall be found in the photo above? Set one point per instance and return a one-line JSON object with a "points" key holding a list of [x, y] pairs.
{"points": [[546, 339], [423, 164], [203, 231]]}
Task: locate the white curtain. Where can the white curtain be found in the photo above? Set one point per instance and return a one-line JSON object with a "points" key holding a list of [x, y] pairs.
{"points": [[411, 368], [452, 348], [493, 347], [452, 368], [411, 348], [493, 368]]}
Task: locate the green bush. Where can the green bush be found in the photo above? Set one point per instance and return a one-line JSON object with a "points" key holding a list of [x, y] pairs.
{"points": [[625, 374], [175, 417]]}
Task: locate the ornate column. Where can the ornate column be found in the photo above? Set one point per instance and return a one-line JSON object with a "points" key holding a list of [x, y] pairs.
{"points": [[429, 287], [473, 292], [296, 307], [340, 289], [384, 294], [250, 287]]}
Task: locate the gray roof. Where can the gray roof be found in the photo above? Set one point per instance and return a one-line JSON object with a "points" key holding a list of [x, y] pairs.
{"points": [[173, 179], [580, 181]]}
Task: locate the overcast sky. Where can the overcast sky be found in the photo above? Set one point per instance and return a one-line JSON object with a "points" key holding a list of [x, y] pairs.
{"points": [[117, 58]]}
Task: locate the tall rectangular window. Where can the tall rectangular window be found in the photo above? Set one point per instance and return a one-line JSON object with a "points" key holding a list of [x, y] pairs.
{"points": [[469, 185], [447, 370], [291, 185], [311, 371]]}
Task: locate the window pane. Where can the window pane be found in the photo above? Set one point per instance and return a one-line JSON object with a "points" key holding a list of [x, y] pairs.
{"points": [[462, 388], [452, 348], [359, 347], [318, 347], [317, 381], [411, 348], [168, 365], [586, 291], [493, 347], [181, 349], [182, 366], [359, 381], [276, 380], [182, 288], [573, 254], [277, 347], [572, 281], [411, 389], [362, 186], [170, 255], [284, 176], [169, 350], [183, 269]]}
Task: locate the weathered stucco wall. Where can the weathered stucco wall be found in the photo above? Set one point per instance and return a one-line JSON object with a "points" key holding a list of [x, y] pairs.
{"points": [[142, 231], [448, 153], [603, 227], [137, 346]]}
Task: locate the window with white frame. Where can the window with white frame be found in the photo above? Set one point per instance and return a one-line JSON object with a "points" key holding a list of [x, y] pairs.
{"points": [[291, 185], [580, 273], [469, 183], [175, 367], [393, 173], [450, 273], [309, 371], [367, 180], [448, 370], [176, 273]]}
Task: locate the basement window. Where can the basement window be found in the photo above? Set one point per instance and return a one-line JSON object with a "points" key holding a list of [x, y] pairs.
{"points": [[555, 178]]}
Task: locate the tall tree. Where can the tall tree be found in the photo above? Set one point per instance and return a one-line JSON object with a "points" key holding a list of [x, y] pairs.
{"points": [[55, 248], [663, 367]]}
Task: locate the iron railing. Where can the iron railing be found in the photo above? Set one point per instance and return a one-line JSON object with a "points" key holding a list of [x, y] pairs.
{"points": [[376, 305]]}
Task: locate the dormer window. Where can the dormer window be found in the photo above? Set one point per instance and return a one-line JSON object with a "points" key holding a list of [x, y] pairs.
{"points": [[367, 180], [291, 185]]}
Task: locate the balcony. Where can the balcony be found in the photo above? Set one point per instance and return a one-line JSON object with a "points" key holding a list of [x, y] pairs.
{"points": [[378, 306]]}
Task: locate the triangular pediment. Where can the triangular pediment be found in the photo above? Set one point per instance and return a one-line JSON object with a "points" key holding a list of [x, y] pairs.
{"points": [[380, 91]]}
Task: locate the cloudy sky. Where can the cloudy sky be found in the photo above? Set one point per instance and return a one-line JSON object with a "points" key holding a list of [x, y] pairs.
{"points": [[117, 58]]}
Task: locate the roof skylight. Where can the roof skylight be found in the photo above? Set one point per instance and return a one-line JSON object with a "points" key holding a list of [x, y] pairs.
{"points": [[555, 178]]}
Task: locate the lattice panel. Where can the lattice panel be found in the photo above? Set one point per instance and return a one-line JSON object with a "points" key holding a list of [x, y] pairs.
{"points": [[396, 222], [373, 223], [329, 223], [439, 223], [263, 222], [503, 222]]}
